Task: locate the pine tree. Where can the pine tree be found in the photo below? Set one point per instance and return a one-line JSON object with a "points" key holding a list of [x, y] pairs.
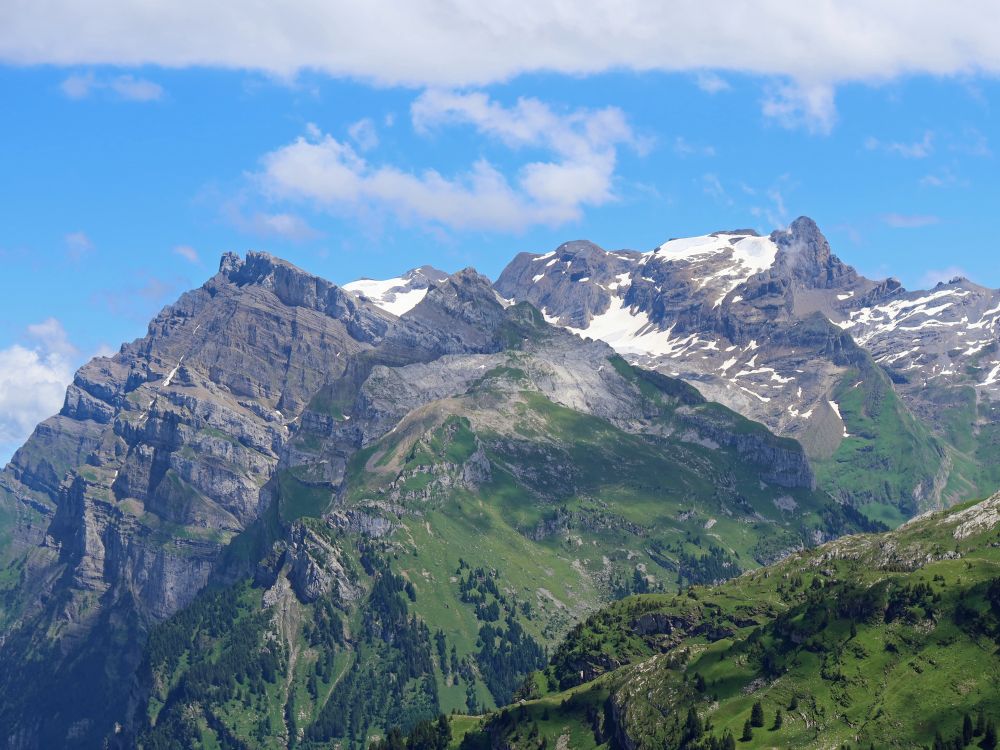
{"points": [[747, 732], [757, 715], [939, 741], [692, 727], [967, 729], [443, 732], [778, 720], [980, 729], [793, 704], [728, 741], [989, 737]]}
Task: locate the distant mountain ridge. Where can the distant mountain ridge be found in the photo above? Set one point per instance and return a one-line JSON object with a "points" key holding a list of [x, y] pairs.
{"points": [[265, 461], [759, 324]]}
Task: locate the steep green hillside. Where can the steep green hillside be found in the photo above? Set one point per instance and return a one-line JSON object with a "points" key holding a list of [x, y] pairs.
{"points": [[466, 543], [871, 641], [887, 463]]}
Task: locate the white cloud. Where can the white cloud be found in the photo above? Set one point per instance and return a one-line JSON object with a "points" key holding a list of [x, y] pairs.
{"points": [[78, 244], [78, 86], [446, 43], [286, 225], [127, 87], [583, 144], [973, 143], [712, 187], [363, 134], [683, 147], [136, 89], [933, 277], [33, 379], [807, 105], [917, 150], [943, 178], [188, 253], [910, 221], [773, 211], [712, 83]]}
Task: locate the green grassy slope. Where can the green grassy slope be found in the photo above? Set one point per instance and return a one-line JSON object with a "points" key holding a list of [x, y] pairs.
{"points": [[884, 640], [889, 463]]}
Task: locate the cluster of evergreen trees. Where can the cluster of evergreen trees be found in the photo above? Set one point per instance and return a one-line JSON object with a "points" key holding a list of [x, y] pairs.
{"points": [[221, 636], [425, 735], [980, 733], [506, 656], [391, 681]]}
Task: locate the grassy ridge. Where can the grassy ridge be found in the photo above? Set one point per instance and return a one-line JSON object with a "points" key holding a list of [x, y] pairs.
{"points": [[886, 640]]}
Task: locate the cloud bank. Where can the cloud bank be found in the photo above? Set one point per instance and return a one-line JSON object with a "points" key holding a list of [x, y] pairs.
{"points": [[455, 43], [582, 147]]}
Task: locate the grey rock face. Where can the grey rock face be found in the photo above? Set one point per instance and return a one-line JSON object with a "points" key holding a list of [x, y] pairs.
{"points": [[162, 453], [316, 568], [719, 311], [771, 326]]}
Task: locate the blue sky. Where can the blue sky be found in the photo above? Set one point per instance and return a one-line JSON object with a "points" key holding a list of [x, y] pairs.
{"points": [[126, 174]]}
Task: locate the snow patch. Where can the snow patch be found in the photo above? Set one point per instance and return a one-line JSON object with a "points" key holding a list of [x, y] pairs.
{"points": [[391, 295]]}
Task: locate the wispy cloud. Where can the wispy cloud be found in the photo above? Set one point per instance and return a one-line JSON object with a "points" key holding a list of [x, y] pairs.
{"points": [[711, 186], [937, 276], [363, 134], [972, 142], [683, 147], [282, 224], [78, 245], [910, 221], [943, 178], [801, 105], [140, 298], [188, 253], [127, 87], [915, 150], [712, 83], [773, 210]]}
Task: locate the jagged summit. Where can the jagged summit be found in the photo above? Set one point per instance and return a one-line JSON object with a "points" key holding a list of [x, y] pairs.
{"points": [[758, 323]]}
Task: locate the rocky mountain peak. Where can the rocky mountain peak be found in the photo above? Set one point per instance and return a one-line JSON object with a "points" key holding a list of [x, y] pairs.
{"points": [[804, 255], [463, 306]]}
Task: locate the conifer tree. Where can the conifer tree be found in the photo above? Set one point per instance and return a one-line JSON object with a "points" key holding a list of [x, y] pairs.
{"points": [[757, 715], [778, 720], [747, 732], [692, 727], [967, 729], [989, 737]]}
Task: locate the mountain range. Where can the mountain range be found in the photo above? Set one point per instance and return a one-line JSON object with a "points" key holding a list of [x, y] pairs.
{"points": [[296, 513]]}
